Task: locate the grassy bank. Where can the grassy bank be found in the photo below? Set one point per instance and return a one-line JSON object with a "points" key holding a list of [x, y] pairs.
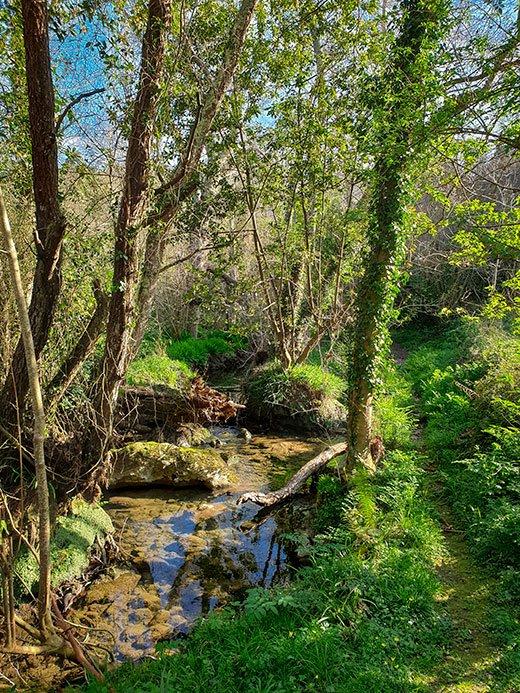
{"points": [[390, 601], [467, 381], [362, 616]]}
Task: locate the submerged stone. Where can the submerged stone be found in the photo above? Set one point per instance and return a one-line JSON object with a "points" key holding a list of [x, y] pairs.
{"points": [[191, 434], [149, 463]]}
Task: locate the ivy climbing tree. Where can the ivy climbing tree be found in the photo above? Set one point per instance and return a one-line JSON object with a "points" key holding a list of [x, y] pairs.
{"points": [[397, 110]]}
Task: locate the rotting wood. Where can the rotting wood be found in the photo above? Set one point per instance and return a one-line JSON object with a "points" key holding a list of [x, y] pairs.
{"points": [[296, 482]]}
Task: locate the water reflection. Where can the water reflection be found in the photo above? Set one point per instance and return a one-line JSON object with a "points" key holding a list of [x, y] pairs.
{"points": [[193, 551]]}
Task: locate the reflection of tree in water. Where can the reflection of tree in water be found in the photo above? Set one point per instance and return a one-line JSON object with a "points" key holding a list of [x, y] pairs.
{"points": [[226, 562]]}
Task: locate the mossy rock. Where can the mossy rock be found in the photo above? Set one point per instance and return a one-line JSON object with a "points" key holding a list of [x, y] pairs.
{"points": [[145, 464], [72, 540], [191, 435]]}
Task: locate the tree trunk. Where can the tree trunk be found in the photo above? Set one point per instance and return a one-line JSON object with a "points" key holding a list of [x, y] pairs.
{"points": [[118, 348], [402, 99], [296, 482], [50, 222], [182, 183], [44, 525]]}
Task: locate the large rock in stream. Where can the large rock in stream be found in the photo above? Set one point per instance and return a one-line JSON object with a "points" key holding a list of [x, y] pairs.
{"points": [[145, 464]]}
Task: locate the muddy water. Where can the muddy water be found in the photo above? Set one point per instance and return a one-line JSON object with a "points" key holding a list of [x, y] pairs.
{"points": [[187, 551]]}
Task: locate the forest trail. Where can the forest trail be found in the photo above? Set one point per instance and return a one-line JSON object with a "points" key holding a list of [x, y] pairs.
{"points": [[466, 593]]}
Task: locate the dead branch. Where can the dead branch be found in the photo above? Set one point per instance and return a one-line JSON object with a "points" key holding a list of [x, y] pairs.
{"points": [[297, 481]]}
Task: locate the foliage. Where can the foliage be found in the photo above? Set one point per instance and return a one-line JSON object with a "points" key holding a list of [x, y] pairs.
{"points": [[307, 394], [198, 351], [393, 410], [156, 369], [468, 389], [71, 543]]}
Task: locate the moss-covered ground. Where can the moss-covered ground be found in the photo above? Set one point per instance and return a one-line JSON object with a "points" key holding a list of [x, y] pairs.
{"points": [[73, 538]]}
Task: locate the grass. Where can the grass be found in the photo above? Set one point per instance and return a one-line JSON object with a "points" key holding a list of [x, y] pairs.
{"points": [[306, 396], [388, 602], [159, 369], [362, 616], [198, 351], [467, 380]]}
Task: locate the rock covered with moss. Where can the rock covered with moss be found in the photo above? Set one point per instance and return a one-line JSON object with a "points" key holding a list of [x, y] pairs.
{"points": [[143, 464], [73, 538], [305, 397], [191, 435]]}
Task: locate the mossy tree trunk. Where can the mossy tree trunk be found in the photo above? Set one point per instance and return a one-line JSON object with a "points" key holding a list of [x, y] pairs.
{"points": [[398, 118]]}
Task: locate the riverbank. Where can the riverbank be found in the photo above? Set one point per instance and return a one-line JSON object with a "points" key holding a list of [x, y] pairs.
{"points": [[390, 601]]}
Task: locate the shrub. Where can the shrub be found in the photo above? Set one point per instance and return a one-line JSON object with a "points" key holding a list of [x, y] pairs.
{"points": [[304, 395], [319, 380], [393, 410]]}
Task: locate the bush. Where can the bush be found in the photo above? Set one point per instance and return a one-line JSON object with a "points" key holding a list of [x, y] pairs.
{"points": [[156, 369], [486, 495]]}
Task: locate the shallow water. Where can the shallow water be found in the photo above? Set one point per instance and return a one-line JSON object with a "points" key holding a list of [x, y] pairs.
{"points": [[187, 551]]}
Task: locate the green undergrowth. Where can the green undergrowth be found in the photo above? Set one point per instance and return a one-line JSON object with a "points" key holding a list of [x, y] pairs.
{"points": [[159, 369], [467, 380], [73, 538], [361, 616], [197, 351], [394, 415]]}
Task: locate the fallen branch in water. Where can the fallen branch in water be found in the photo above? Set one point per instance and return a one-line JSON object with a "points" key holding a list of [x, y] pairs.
{"points": [[297, 481]]}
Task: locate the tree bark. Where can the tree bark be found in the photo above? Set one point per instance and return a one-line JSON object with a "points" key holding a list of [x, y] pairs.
{"points": [[44, 525], [118, 348], [378, 285], [297, 481], [50, 222]]}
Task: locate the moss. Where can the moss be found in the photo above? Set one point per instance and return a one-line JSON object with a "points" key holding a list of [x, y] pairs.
{"points": [[148, 463], [156, 369], [71, 543]]}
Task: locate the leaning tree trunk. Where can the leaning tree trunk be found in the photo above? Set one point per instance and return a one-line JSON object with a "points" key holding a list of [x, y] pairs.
{"points": [[50, 222], [402, 95], [118, 347], [44, 589]]}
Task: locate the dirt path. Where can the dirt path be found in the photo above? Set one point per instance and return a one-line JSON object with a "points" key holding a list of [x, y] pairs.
{"points": [[466, 593], [467, 666]]}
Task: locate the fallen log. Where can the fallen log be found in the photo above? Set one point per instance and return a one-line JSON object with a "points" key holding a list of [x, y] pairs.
{"points": [[297, 481]]}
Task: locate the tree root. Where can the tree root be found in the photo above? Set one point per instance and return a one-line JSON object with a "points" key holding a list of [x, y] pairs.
{"points": [[297, 481]]}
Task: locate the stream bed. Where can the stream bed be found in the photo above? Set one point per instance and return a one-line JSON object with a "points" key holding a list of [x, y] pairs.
{"points": [[186, 551]]}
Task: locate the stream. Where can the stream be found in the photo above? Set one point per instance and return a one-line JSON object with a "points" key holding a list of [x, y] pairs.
{"points": [[186, 551]]}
